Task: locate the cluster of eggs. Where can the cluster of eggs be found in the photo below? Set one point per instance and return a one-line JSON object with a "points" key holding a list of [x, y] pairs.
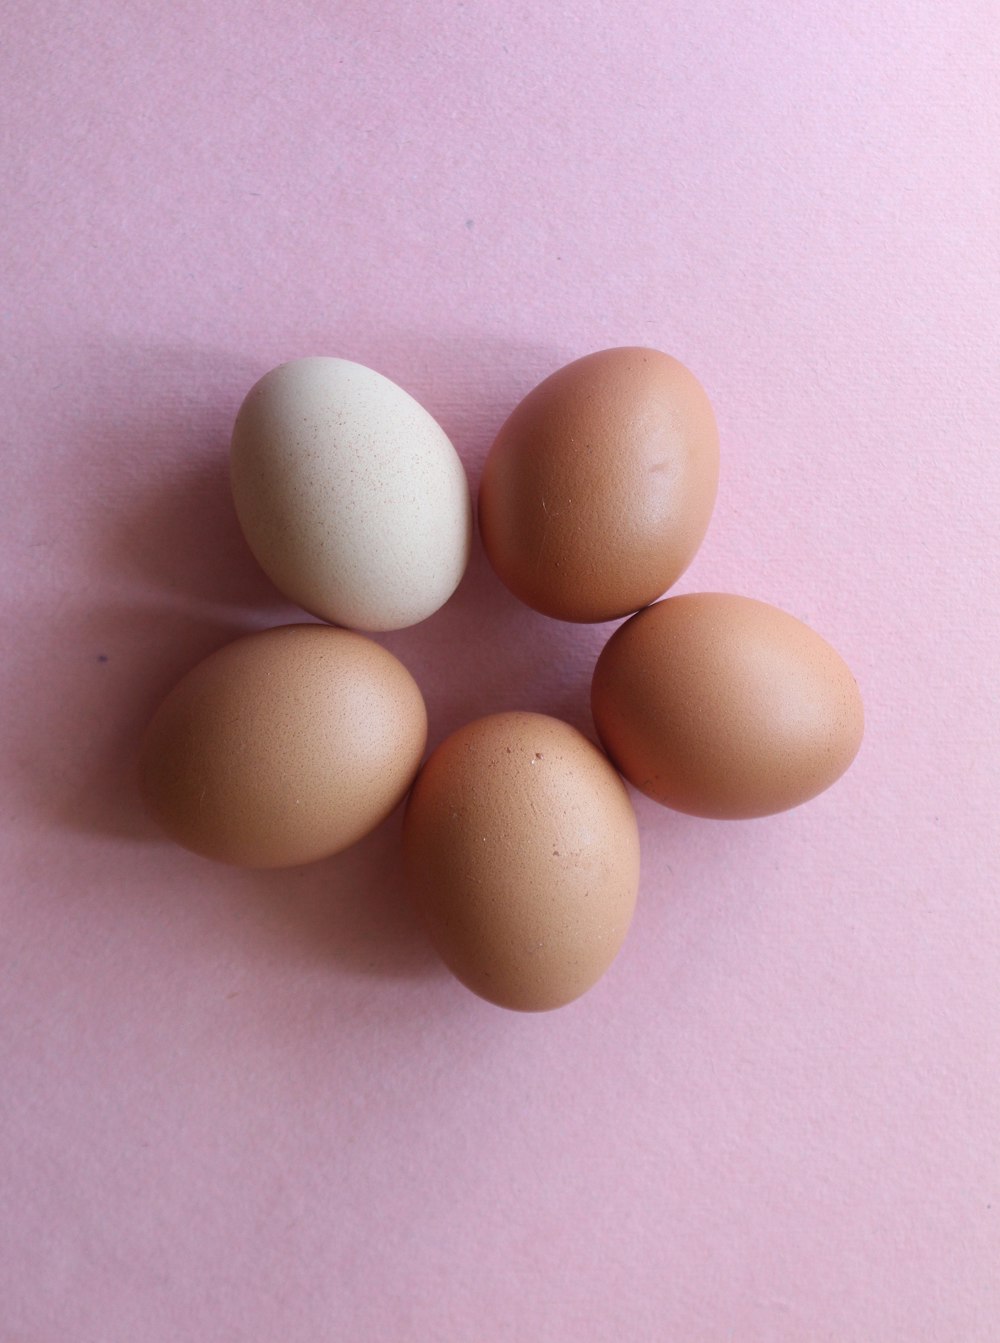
{"points": [[521, 845]]}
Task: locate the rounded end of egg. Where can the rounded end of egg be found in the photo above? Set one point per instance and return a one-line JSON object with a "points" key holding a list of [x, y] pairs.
{"points": [[725, 707], [600, 486], [283, 747], [521, 851], [350, 494]]}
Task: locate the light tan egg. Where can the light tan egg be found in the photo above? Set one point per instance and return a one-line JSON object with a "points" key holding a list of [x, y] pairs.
{"points": [[723, 706], [522, 853], [283, 747], [599, 487]]}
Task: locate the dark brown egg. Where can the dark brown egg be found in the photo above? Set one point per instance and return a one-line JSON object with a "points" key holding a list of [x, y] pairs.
{"points": [[522, 853], [600, 486], [722, 706], [283, 747]]}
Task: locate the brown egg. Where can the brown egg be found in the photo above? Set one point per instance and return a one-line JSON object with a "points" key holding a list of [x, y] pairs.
{"points": [[600, 486], [727, 707], [283, 747], [522, 853]]}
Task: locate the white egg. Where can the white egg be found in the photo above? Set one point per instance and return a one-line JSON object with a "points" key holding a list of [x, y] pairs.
{"points": [[350, 494]]}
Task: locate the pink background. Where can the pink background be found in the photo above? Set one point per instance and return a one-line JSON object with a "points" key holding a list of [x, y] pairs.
{"points": [[243, 1106]]}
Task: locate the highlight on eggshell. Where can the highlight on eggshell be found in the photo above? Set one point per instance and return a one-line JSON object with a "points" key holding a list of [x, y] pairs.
{"points": [[726, 707], [283, 747], [522, 855], [350, 494], [599, 487]]}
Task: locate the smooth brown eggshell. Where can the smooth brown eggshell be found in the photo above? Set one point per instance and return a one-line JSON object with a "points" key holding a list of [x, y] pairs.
{"points": [[283, 747], [723, 706], [522, 853], [599, 488]]}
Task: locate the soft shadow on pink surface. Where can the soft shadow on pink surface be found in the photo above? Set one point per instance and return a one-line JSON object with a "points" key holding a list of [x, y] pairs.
{"points": [[161, 437], [123, 661], [486, 653], [348, 911], [148, 519], [183, 536]]}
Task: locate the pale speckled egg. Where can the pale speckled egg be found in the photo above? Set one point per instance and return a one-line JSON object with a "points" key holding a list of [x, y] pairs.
{"points": [[283, 747], [350, 494], [599, 487], [723, 706], [522, 854]]}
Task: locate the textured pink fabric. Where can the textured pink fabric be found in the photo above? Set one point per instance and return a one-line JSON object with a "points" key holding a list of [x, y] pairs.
{"points": [[244, 1106]]}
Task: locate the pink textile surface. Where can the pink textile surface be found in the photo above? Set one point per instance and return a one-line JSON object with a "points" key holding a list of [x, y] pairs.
{"points": [[246, 1106]]}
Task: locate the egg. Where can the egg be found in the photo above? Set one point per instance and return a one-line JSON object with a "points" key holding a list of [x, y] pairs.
{"points": [[283, 747], [522, 852], [723, 706], [350, 494], [599, 488]]}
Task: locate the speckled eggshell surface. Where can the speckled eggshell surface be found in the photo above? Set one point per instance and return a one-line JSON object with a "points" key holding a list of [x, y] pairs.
{"points": [[283, 747], [723, 706], [350, 494], [599, 487], [522, 853]]}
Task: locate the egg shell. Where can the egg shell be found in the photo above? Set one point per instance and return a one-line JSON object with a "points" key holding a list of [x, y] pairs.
{"points": [[599, 488], [723, 706], [283, 747], [522, 853], [350, 494]]}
